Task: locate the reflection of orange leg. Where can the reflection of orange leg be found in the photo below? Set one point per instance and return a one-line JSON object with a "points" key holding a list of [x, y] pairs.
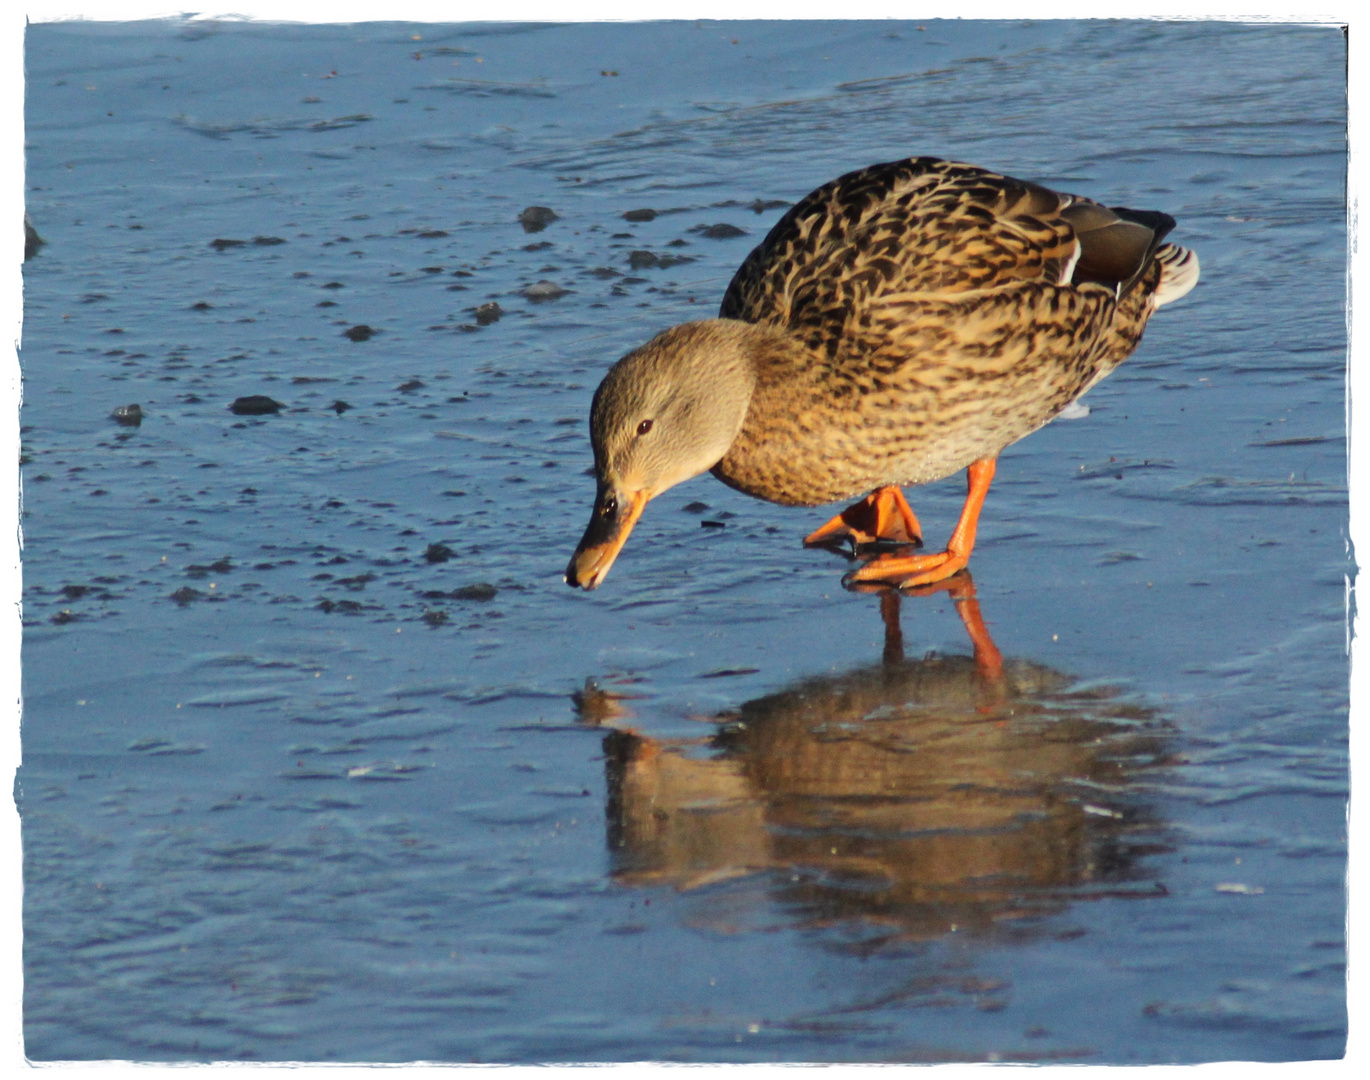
{"points": [[884, 514], [908, 571], [988, 660], [894, 635]]}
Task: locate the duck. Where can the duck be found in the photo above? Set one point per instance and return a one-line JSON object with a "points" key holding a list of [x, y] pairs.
{"points": [[898, 324]]}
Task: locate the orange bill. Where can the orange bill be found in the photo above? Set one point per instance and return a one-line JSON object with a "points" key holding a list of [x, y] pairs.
{"points": [[615, 514]]}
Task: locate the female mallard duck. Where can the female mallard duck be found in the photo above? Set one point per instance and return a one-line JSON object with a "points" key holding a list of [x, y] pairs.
{"points": [[898, 324]]}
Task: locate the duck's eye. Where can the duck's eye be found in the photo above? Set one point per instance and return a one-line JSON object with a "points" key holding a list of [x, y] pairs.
{"points": [[644, 427], [610, 507]]}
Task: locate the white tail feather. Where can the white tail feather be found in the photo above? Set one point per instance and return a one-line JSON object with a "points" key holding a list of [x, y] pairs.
{"points": [[1179, 273]]}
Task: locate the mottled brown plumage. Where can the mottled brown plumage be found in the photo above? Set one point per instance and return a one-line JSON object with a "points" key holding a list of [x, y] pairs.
{"points": [[900, 323]]}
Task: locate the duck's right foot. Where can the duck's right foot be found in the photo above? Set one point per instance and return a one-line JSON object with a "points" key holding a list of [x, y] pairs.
{"points": [[883, 515]]}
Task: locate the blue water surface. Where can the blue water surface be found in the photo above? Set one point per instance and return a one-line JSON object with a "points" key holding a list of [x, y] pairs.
{"points": [[323, 761]]}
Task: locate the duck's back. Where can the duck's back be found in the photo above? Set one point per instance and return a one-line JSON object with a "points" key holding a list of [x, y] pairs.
{"points": [[945, 311]]}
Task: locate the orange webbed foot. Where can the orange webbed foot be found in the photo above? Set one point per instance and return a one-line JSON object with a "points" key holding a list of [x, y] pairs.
{"points": [[912, 571], [883, 515]]}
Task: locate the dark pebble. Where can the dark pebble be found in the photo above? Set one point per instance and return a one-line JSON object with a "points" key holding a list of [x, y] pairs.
{"points": [[32, 241], [267, 241], [340, 407], [646, 260], [640, 215], [347, 607], [536, 218], [185, 594], [712, 525], [719, 232], [410, 386], [361, 332], [128, 415], [435, 616], [222, 245], [255, 405], [438, 553], [488, 313], [479, 591], [543, 290], [219, 566], [200, 305]]}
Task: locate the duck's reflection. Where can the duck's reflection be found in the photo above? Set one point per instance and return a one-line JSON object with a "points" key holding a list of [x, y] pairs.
{"points": [[944, 793]]}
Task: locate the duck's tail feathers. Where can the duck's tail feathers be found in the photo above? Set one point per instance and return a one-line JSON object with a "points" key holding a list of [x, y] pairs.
{"points": [[1179, 273]]}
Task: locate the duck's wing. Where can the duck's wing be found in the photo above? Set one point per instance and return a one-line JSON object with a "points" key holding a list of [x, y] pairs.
{"points": [[928, 227]]}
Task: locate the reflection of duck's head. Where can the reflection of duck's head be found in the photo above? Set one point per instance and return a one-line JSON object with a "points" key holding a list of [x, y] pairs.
{"points": [[925, 793]]}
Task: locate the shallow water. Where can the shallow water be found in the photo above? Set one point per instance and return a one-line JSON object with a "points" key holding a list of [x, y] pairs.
{"points": [[298, 784]]}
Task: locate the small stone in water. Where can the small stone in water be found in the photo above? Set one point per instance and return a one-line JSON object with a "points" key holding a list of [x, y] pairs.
{"points": [[360, 333], [719, 232], [340, 407], [544, 290], [640, 215], [128, 415], [255, 405], [480, 591], [437, 553], [488, 313], [536, 218]]}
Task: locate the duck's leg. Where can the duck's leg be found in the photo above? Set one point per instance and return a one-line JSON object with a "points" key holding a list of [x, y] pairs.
{"points": [[908, 571], [884, 514]]}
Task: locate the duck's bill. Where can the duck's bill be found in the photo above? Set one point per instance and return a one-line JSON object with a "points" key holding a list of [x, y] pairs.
{"points": [[613, 519]]}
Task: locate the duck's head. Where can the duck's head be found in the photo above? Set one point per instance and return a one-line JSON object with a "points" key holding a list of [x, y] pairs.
{"points": [[664, 413]]}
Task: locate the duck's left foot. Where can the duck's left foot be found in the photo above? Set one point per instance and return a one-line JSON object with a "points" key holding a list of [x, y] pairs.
{"points": [[909, 571], [884, 514]]}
